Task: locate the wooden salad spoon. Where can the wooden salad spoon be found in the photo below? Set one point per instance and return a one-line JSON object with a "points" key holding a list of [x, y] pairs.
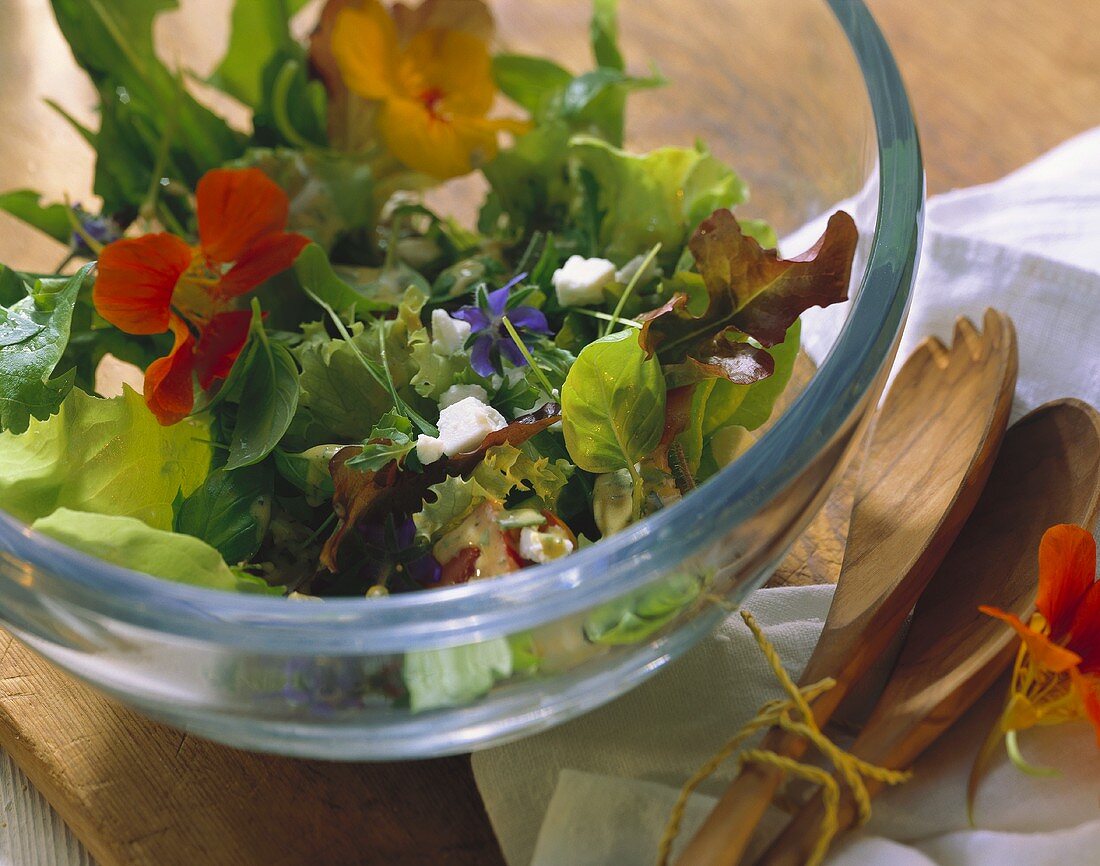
{"points": [[1048, 472], [928, 458]]}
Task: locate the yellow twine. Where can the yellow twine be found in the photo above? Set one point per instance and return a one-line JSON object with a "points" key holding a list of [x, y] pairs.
{"points": [[793, 715]]}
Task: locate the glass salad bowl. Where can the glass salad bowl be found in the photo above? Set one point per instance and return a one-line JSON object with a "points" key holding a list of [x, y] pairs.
{"points": [[803, 98]]}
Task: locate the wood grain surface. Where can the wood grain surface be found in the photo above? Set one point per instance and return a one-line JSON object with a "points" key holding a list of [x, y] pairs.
{"points": [[994, 86]]}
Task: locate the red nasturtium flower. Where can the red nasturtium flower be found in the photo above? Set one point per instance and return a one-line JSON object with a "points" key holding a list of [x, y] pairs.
{"points": [[1057, 674], [158, 283]]}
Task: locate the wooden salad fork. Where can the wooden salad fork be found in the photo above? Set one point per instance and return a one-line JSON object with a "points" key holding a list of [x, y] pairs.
{"points": [[1048, 472], [928, 458]]}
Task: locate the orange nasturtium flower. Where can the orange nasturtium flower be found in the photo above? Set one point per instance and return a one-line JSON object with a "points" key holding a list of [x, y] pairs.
{"points": [[158, 283], [434, 87], [1056, 678]]}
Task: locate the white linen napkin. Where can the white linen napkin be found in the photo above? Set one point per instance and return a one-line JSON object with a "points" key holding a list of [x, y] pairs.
{"points": [[598, 790]]}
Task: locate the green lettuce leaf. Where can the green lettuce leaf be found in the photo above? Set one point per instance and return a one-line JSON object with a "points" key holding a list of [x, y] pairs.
{"points": [[506, 468], [449, 503], [231, 511], [33, 335], [26, 204], [612, 404], [656, 197], [456, 675], [104, 456], [128, 542]]}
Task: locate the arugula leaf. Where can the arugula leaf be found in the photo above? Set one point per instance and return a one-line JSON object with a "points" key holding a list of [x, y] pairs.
{"points": [[750, 288], [613, 404], [258, 29], [33, 334], [269, 398], [26, 204], [604, 34], [113, 42], [657, 197], [391, 440], [456, 675], [107, 456], [132, 544], [231, 511]]}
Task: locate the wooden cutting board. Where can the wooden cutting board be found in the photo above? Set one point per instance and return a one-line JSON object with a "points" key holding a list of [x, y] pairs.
{"points": [[138, 793]]}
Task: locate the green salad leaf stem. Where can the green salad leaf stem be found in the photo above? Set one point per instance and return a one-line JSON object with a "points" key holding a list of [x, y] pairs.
{"points": [[630, 287]]}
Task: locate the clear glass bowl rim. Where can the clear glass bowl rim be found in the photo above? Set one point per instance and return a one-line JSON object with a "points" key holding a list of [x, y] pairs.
{"points": [[492, 608]]}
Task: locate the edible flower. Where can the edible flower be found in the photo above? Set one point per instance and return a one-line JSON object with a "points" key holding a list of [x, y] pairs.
{"points": [[491, 337], [1056, 677], [433, 84], [158, 283]]}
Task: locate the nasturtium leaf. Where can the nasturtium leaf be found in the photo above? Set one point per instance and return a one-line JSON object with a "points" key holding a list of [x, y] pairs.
{"points": [[751, 288], [106, 456], [656, 197], [26, 204], [456, 675], [132, 544], [258, 29], [231, 511], [613, 404], [34, 332], [268, 401]]}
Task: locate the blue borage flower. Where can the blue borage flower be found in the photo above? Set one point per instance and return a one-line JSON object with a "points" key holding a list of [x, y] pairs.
{"points": [[491, 339]]}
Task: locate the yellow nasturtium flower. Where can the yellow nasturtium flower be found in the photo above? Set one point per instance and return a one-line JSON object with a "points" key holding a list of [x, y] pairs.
{"points": [[434, 89]]}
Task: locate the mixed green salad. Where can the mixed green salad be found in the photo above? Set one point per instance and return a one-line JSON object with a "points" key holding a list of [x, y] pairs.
{"points": [[281, 371]]}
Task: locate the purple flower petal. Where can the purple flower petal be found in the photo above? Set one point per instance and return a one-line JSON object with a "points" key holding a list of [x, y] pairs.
{"points": [[481, 355], [511, 351], [476, 318], [498, 300], [425, 570], [511, 284], [406, 534], [530, 319]]}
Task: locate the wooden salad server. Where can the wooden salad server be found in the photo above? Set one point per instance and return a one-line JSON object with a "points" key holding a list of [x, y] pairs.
{"points": [[1048, 472], [928, 458]]}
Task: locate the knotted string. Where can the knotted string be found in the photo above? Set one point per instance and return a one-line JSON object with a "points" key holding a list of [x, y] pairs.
{"points": [[792, 714]]}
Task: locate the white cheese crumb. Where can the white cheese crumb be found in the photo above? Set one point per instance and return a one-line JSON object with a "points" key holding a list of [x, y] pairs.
{"points": [[540, 547], [581, 281], [457, 393], [448, 334], [462, 427]]}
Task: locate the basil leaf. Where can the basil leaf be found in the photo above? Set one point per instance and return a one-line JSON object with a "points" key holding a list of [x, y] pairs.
{"points": [[231, 511], [33, 334], [613, 404], [269, 399]]}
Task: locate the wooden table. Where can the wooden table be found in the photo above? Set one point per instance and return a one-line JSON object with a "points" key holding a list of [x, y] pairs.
{"points": [[994, 85]]}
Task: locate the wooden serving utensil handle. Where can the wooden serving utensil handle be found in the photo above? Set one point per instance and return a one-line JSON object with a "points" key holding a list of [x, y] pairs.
{"points": [[725, 835]]}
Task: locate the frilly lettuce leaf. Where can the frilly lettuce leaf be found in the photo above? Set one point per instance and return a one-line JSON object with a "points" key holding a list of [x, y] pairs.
{"points": [[749, 288], [103, 456], [130, 543], [506, 468], [656, 197], [449, 503], [455, 675]]}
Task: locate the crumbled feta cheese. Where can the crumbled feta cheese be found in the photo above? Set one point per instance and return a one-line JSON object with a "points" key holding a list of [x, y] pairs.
{"points": [[626, 273], [581, 281], [540, 547], [456, 393], [462, 427], [448, 334]]}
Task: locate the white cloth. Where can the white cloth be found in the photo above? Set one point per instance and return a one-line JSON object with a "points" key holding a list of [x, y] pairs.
{"points": [[597, 790]]}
